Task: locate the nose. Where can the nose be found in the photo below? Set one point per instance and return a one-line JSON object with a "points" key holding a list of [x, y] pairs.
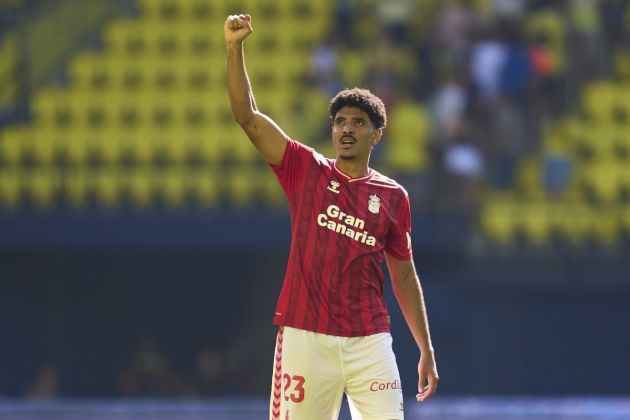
{"points": [[348, 128]]}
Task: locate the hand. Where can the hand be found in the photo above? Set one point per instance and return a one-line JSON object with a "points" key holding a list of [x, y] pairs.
{"points": [[427, 374], [237, 28]]}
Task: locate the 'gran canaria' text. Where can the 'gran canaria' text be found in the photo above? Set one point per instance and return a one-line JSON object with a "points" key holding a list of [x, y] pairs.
{"points": [[345, 224]]}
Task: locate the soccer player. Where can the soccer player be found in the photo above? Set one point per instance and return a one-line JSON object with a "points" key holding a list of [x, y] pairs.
{"points": [[346, 218]]}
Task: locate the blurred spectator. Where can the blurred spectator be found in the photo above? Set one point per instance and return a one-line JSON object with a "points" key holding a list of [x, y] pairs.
{"points": [[324, 65], [208, 373], [149, 374], [488, 59], [587, 48], [394, 16], [517, 73], [557, 172], [507, 138], [448, 107], [45, 384], [507, 10], [454, 26]]}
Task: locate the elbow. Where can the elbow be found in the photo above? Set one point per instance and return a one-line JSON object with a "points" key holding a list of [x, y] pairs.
{"points": [[243, 119]]}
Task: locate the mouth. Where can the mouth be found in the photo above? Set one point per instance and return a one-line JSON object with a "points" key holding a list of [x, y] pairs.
{"points": [[347, 140]]}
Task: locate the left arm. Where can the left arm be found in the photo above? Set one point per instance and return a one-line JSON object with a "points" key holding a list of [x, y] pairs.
{"points": [[408, 293]]}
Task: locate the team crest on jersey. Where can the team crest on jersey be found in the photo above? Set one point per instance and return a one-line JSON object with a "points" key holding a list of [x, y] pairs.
{"points": [[334, 187], [374, 204]]}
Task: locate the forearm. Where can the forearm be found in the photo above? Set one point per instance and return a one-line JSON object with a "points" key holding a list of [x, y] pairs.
{"points": [[410, 298], [239, 87]]}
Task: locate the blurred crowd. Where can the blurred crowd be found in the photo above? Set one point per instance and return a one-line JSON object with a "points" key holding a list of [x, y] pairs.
{"points": [[491, 74]]}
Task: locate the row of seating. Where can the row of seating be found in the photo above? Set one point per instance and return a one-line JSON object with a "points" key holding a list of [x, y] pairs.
{"points": [[96, 73], [591, 141], [141, 187], [129, 37], [205, 10], [25, 145], [607, 102], [65, 109], [575, 222]]}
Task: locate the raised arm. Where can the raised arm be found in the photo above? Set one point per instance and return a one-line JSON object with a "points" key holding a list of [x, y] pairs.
{"points": [[408, 292], [263, 132]]}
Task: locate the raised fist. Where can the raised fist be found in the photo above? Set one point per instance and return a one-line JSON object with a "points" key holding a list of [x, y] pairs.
{"points": [[237, 28]]}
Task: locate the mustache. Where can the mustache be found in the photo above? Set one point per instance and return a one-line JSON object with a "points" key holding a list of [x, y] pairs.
{"points": [[348, 136]]}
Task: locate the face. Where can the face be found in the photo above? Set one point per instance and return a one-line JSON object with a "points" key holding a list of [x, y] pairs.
{"points": [[354, 134]]}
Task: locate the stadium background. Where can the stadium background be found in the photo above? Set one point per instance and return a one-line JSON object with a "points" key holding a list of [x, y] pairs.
{"points": [[143, 242]]}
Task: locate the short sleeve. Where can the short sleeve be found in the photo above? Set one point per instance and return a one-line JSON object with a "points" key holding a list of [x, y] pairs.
{"points": [[294, 165], [398, 242]]}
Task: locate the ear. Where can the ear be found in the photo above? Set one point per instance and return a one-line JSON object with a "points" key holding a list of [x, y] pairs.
{"points": [[378, 134]]}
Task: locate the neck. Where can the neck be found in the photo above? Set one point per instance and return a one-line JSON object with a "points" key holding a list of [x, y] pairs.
{"points": [[352, 168]]}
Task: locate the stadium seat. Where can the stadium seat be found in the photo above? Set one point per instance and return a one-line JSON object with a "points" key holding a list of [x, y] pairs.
{"points": [[51, 108], [534, 219], [405, 144], [77, 185], [10, 187], [605, 224], [13, 143], [210, 146], [573, 221], [89, 71], [498, 220], [140, 184], [42, 187], [107, 187], [47, 145], [171, 188], [205, 186], [601, 180], [243, 185]]}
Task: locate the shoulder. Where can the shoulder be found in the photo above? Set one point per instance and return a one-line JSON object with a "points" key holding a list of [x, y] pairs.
{"points": [[307, 152], [385, 182]]}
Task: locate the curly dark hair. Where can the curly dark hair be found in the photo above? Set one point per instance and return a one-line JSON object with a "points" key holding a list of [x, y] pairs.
{"points": [[363, 99]]}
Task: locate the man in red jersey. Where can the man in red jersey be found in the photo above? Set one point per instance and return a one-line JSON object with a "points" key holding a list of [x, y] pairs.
{"points": [[346, 218]]}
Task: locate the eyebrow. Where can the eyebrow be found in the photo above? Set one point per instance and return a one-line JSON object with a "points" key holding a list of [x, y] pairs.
{"points": [[353, 118]]}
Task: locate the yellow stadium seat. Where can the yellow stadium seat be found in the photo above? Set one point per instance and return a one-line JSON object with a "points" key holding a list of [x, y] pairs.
{"points": [[81, 145], [606, 102], [107, 187], [110, 146], [47, 145], [601, 179], [534, 221], [77, 184], [624, 220], [13, 143], [605, 224], [142, 145], [210, 146], [140, 183], [238, 146], [498, 221], [405, 141], [10, 187], [171, 187], [42, 186], [89, 71], [243, 185], [205, 186], [270, 189], [573, 221], [127, 37], [51, 108]]}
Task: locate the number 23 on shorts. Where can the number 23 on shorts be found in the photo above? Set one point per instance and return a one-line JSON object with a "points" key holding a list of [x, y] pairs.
{"points": [[293, 387]]}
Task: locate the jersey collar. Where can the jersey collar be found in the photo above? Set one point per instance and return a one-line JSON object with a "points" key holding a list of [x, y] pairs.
{"points": [[348, 178]]}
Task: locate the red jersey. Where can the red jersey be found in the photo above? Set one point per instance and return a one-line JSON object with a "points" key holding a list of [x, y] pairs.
{"points": [[340, 230]]}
